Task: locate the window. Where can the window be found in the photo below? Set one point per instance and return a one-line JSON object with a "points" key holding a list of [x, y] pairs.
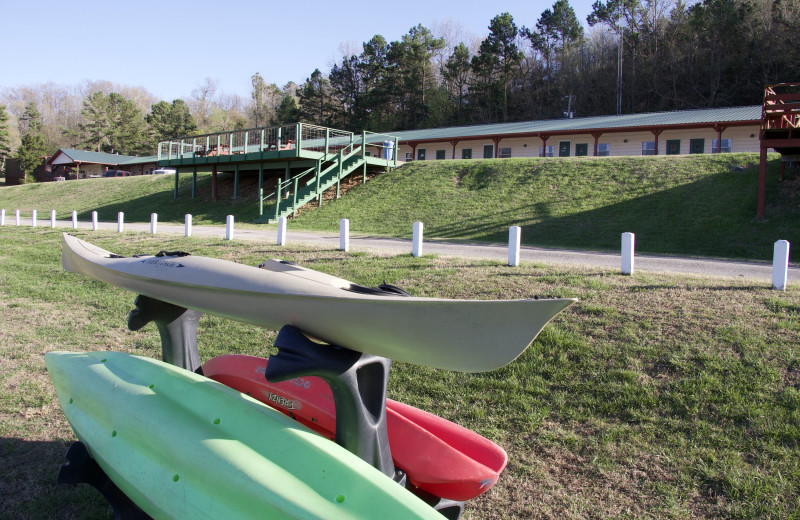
{"points": [[466, 153], [603, 149], [648, 147], [421, 154], [563, 148], [727, 146], [697, 145], [581, 150], [488, 151], [673, 146], [369, 154], [440, 155], [504, 153], [547, 153], [409, 157]]}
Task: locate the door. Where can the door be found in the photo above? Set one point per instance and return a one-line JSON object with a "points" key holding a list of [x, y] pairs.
{"points": [[563, 148], [488, 151], [673, 146], [581, 150], [697, 145]]}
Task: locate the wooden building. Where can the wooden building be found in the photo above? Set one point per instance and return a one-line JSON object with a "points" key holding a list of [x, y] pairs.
{"points": [[716, 130]]}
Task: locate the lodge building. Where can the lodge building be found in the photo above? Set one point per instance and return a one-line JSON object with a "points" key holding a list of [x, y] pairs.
{"points": [[716, 130]]}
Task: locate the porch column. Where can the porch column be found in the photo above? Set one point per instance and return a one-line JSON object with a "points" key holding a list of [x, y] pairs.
{"points": [[175, 191], [596, 136], [544, 138], [236, 181], [656, 132], [454, 142], [496, 142], [719, 128], [194, 182]]}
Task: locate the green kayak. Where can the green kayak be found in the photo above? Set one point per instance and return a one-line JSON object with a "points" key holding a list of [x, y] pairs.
{"points": [[183, 446]]}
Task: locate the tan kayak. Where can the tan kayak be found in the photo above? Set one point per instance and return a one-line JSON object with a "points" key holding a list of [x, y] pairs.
{"points": [[463, 335]]}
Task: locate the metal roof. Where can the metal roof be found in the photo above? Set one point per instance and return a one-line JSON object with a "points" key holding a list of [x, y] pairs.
{"points": [[84, 156], [733, 115], [139, 160]]}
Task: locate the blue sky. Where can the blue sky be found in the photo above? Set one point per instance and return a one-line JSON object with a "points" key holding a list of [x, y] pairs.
{"points": [[169, 47]]}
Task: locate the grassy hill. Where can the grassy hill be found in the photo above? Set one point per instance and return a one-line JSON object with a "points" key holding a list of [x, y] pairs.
{"points": [[685, 205]]}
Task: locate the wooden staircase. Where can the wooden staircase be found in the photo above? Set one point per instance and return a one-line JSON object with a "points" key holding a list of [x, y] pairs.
{"points": [[780, 130], [294, 193]]}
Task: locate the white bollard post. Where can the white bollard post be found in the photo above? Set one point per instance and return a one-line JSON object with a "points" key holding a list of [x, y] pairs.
{"points": [[780, 265], [628, 242], [153, 223], [416, 240], [229, 227], [120, 221], [16, 218], [3, 217], [514, 240], [344, 235], [33, 218], [52, 218], [282, 231], [188, 226], [94, 221], [74, 219]]}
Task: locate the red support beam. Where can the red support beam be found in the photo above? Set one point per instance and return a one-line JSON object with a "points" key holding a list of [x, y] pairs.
{"points": [[596, 136], [544, 138], [496, 142], [656, 132], [454, 142]]}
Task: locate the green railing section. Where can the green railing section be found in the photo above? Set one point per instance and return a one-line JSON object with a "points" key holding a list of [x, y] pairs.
{"points": [[337, 154], [298, 137]]}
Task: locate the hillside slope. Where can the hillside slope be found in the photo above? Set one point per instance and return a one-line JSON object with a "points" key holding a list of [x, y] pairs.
{"points": [[687, 205]]}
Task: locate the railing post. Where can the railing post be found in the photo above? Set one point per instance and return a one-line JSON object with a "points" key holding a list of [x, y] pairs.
{"points": [[514, 240], [628, 243], [299, 144], [229, 227], [194, 146], [282, 231], [294, 196], [158, 151], [208, 142], [780, 265], [261, 141], [327, 139], [278, 200], [363, 143], [317, 170], [279, 138], [261, 185], [246, 138], [395, 151], [181, 149], [416, 239], [344, 235]]}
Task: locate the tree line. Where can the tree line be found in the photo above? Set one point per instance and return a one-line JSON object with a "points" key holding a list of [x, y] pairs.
{"points": [[637, 56]]}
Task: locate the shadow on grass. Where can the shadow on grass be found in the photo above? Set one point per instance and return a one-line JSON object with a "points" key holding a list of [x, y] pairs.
{"points": [[714, 216], [29, 489]]}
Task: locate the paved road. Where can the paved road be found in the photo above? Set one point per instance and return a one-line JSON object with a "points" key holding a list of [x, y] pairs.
{"points": [[700, 266]]}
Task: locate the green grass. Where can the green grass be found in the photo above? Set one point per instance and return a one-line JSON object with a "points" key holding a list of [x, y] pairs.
{"points": [[698, 205], [687, 205], [655, 396]]}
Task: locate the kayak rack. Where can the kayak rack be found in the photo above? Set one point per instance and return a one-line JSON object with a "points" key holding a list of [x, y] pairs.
{"points": [[357, 380]]}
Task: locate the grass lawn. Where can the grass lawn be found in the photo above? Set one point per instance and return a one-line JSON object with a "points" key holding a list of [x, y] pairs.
{"points": [[655, 396], [698, 205]]}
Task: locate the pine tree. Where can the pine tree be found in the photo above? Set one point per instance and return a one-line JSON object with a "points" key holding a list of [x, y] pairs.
{"points": [[32, 148], [5, 138]]}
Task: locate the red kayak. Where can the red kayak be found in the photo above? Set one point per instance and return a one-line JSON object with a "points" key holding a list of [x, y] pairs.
{"points": [[438, 456]]}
